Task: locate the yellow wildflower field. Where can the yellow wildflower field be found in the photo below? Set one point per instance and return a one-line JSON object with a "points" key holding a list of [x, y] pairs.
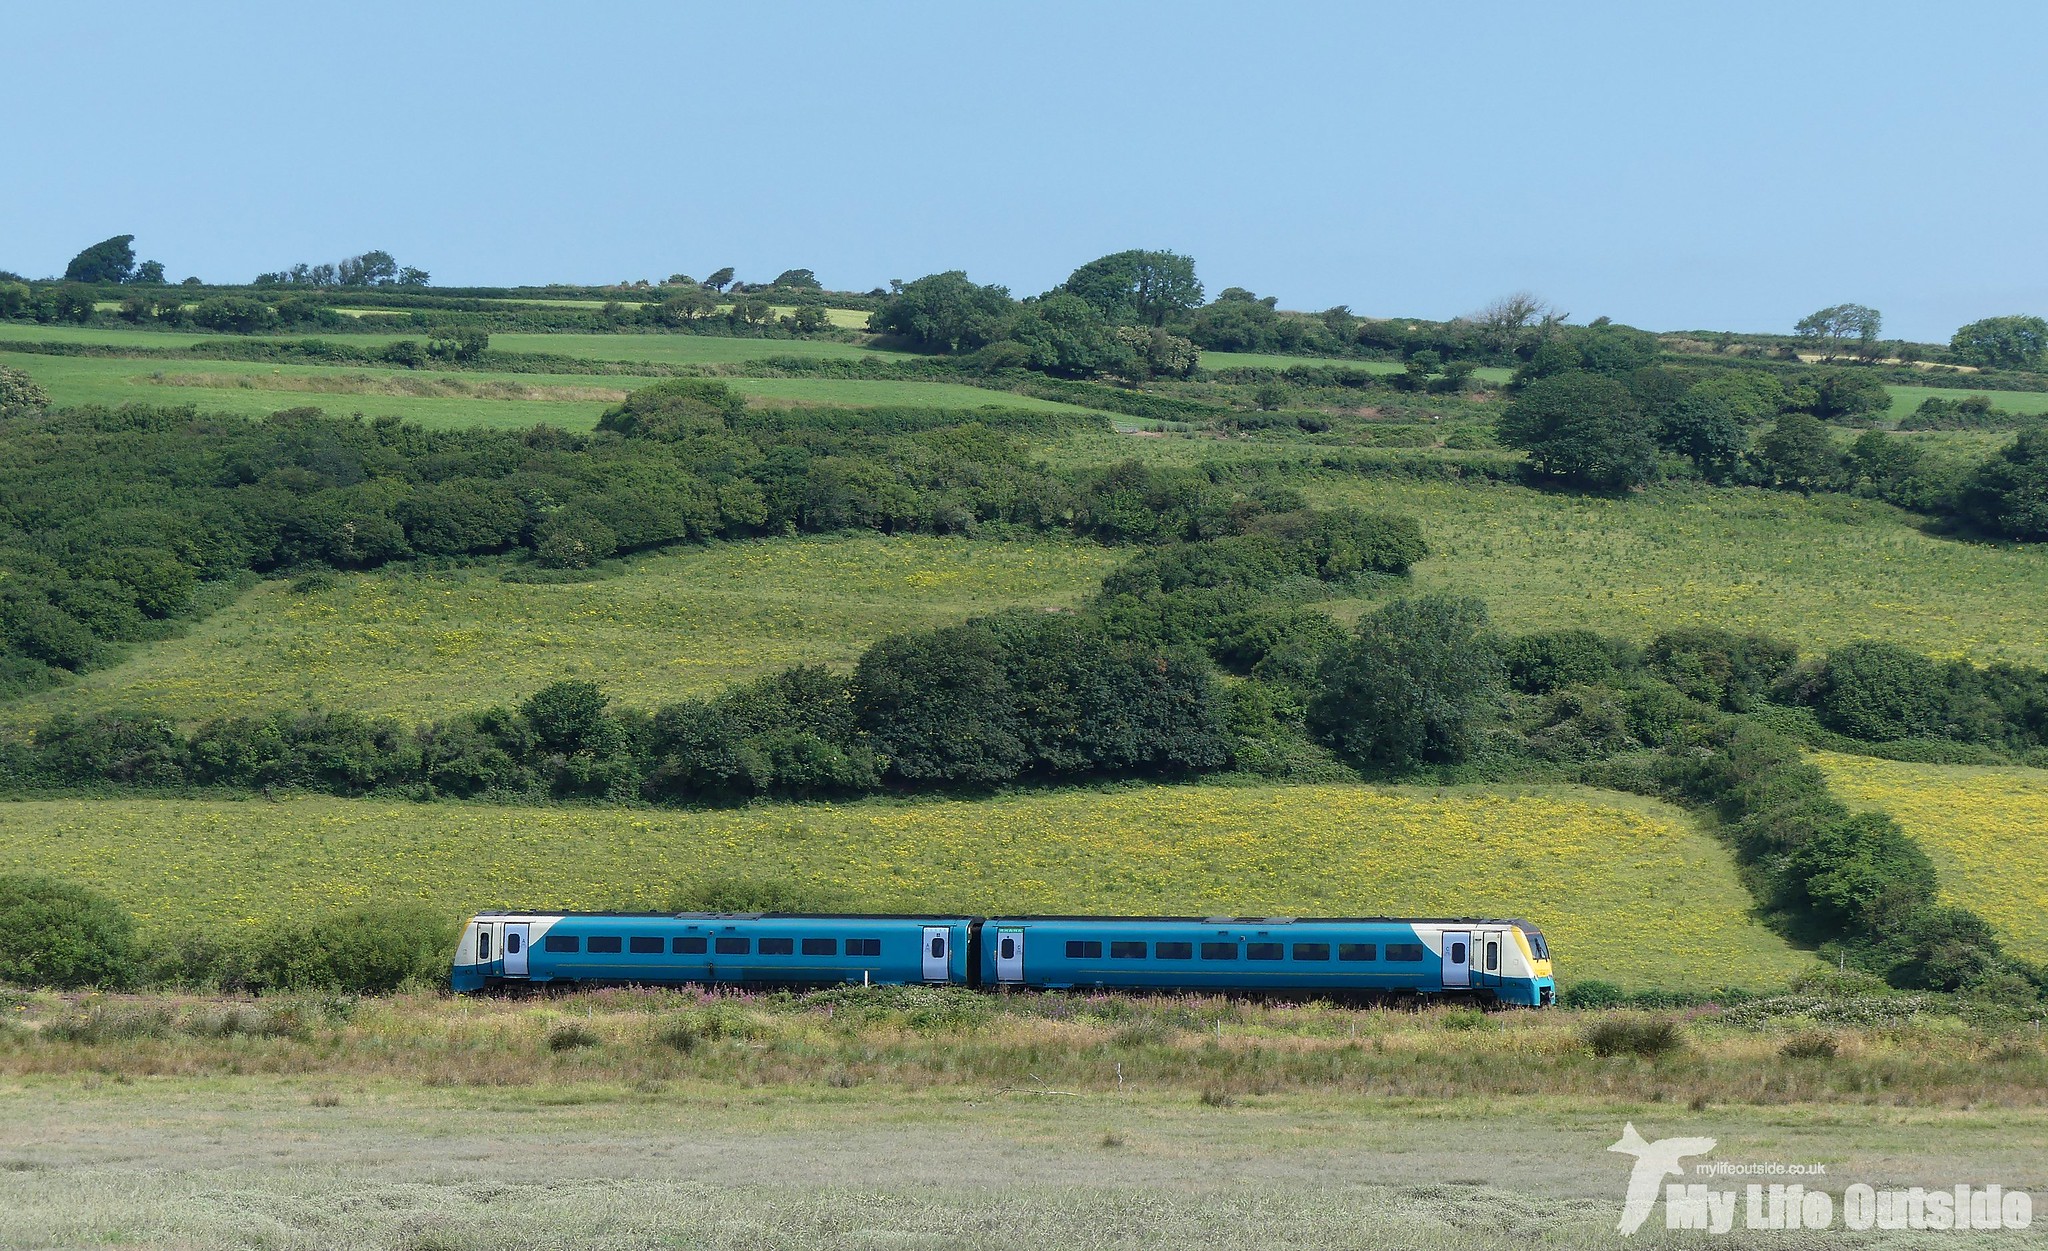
{"points": [[419, 644], [1626, 889], [1985, 828]]}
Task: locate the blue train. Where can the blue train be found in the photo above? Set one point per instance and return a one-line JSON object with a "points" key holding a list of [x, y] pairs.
{"points": [[1357, 957]]}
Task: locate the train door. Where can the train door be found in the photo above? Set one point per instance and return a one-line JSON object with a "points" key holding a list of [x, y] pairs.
{"points": [[936, 938], [516, 933], [1457, 959], [1486, 957], [1009, 955], [486, 941]]}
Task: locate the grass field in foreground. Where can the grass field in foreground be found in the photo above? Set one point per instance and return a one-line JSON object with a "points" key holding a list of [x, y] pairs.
{"points": [[1626, 889], [532, 1156], [1819, 571], [417, 644], [1986, 829]]}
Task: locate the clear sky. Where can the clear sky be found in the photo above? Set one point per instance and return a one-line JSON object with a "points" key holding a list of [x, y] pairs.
{"points": [[1669, 165]]}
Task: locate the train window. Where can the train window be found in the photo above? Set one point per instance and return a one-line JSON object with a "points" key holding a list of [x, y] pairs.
{"points": [[1082, 949], [778, 946], [1263, 951], [1009, 949], [730, 946], [938, 947], [1127, 951], [560, 942], [691, 946], [1174, 951], [483, 945], [1412, 953], [1355, 951], [1311, 951], [1457, 953], [863, 946], [1537, 947], [645, 945], [1219, 951], [1493, 955], [606, 943], [512, 943], [821, 946]]}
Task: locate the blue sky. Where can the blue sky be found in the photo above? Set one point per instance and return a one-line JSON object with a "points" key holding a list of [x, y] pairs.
{"points": [[1671, 166]]}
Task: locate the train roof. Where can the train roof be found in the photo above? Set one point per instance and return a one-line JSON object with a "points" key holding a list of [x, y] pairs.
{"points": [[928, 916]]}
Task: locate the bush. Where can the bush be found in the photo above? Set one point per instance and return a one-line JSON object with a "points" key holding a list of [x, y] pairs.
{"points": [[20, 396], [1628, 1034], [1411, 685], [57, 933], [571, 1037], [1591, 994], [1811, 1045], [1880, 692], [372, 950]]}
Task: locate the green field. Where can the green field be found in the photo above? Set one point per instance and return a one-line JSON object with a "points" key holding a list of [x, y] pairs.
{"points": [[1627, 890], [1270, 360], [1818, 571], [445, 399], [1986, 829], [681, 622], [680, 349], [1906, 399], [254, 388]]}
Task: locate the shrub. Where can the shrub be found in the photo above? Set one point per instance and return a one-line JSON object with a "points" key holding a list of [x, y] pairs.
{"points": [[1811, 1045], [1591, 994], [20, 396], [1880, 692], [371, 950], [571, 1037], [57, 933], [1628, 1034]]}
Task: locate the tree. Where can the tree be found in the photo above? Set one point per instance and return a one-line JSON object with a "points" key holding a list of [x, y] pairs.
{"points": [[73, 302], [19, 394], [149, 274], [372, 269], [1582, 429], [234, 314], [2008, 494], [2002, 343], [719, 280], [56, 933], [1411, 686], [1138, 287], [938, 708], [1834, 327], [13, 298], [109, 260], [1067, 336], [411, 276], [1799, 454], [1505, 323], [803, 278], [946, 313]]}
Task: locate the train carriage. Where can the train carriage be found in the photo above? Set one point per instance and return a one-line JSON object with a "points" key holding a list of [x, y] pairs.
{"points": [[710, 948], [1504, 961]]}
